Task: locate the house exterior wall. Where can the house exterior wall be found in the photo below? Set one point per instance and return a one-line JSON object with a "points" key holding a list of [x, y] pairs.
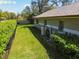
{"points": [[69, 22]]}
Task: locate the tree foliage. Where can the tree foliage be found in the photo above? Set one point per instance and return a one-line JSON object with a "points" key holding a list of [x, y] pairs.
{"points": [[39, 6], [62, 2], [7, 15], [26, 12]]}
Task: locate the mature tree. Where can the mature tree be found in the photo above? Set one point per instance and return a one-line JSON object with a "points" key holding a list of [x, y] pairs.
{"points": [[12, 15], [0, 12], [62, 2], [40, 6], [26, 12], [66, 2], [19, 17], [34, 8], [7, 15], [4, 15]]}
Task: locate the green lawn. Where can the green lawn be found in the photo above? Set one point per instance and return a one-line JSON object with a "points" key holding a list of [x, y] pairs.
{"points": [[26, 45]]}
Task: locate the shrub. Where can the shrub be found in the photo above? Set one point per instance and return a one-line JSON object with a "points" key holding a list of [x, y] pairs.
{"points": [[6, 30], [58, 39], [71, 49], [65, 47]]}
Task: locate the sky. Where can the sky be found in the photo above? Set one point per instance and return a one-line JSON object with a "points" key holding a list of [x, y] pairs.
{"points": [[14, 5]]}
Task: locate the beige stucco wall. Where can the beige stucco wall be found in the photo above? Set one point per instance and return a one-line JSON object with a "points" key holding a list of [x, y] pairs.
{"points": [[69, 22]]}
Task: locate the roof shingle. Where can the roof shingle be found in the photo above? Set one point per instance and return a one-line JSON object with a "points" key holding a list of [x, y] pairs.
{"points": [[68, 10]]}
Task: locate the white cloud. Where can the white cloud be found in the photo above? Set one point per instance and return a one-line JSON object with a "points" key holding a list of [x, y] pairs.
{"points": [[27, 5], [7, 2]]}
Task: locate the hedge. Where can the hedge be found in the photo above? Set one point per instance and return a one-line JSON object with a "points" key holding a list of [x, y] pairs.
{"points": [[65, 47]]}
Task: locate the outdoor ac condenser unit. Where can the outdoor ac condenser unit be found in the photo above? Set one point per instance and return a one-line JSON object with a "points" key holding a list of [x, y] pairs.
{"points": [[42, 31]]}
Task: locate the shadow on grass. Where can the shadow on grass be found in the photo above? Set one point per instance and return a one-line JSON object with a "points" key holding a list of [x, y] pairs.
{"points": [[50, 49]]}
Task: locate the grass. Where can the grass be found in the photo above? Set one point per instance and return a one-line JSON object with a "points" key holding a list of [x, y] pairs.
{"points": [[51, 49], [26, 45]]}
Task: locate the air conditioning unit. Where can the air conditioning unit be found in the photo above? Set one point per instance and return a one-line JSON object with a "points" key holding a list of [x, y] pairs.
{"points": [[42, 30]]}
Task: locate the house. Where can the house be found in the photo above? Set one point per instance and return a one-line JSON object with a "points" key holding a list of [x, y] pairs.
{"points": [[65, 19]]}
